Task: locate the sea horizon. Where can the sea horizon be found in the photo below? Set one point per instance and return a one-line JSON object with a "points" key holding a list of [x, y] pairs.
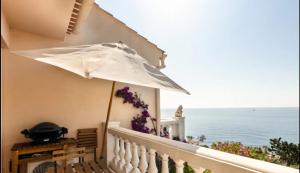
{"points": [[233, 107], [252, 126]]}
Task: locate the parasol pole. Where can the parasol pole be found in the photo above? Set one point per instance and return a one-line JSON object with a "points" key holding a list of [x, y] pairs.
{"points": [[107, 118]]}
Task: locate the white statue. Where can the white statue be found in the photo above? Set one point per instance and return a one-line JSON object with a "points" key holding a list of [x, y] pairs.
{"points": [[178, 113]]}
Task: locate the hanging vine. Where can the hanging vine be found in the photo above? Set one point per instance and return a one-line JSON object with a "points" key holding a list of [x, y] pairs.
{"points": [[138, 123]]}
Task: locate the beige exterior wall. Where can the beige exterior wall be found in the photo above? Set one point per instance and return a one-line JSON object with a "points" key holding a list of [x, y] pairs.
{"points": [[34, 92], [4, 31]]}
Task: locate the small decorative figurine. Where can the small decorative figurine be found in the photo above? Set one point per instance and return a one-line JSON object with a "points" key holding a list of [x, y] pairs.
{"points": [[178, 113]]}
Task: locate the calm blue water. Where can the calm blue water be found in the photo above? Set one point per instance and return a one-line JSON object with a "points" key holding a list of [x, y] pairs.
{"points": [[249, 126]]}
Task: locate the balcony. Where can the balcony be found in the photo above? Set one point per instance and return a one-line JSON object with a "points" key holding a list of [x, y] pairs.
{"points": [[135, 152]]}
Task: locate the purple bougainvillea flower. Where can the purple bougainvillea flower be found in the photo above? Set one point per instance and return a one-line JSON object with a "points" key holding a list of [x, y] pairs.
{"points": [[145, 113], [138, 123]]}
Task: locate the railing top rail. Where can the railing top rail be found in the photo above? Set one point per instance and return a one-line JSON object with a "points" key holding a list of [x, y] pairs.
{"points": [[199, 156]]}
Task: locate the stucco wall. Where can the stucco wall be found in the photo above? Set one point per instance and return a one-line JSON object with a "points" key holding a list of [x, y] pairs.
{"points": [[4, 31], [34, 92]]}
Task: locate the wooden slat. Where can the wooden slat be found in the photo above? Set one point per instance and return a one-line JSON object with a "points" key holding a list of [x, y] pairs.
{"points": [[77, 6], [69, 169], [34, 159], [58, 152], [87, 133], [71, 22], [72, 156], [74, 15], [96, 168], [75, 11], [88, 146], [50, 170], [79, 136], [76, 150], [78, 168], [103, 166], [59, 170], [86, 167], [87, 142], [57, 158], [86, 139], [74, 19], [87, 130], [79, 1]]}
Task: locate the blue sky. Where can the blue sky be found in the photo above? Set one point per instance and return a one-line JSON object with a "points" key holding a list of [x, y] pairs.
{"points": [[233, 53]]}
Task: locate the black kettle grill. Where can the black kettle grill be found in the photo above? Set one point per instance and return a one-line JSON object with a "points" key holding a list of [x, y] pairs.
{"points": [[45, 132]]}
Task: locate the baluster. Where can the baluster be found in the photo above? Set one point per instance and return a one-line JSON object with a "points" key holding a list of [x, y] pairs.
{"points": [[128, 155], [179, 166], [121, 162], [143, 163], [152, 164], [135, 159], [165, 163], [197, 169], [114, 163]]}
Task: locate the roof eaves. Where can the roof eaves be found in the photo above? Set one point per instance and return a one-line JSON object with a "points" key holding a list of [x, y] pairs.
{"points": [[130, 29]]}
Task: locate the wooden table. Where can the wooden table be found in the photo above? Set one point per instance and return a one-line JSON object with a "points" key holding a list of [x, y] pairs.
{"points": [[19, 151]]}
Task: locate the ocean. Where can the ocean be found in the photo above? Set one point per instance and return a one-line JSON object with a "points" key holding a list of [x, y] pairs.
{"points": [[251, 126]]}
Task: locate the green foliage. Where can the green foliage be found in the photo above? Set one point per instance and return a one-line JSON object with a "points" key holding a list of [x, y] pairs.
{"points": [[187, 168], [202, 138], [288, 152], [280, 152], [232, 147], [207, 171], [189, 137]]}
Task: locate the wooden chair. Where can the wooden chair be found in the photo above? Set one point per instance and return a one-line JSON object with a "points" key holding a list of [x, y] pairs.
{"points": [[88, 138], [65, 155]]}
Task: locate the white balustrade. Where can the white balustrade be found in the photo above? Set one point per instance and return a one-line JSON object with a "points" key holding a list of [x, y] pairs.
{"points": [[165, 163], [197, 169], [116, 158], [121, 162], [179, 166], [143, 162], [199, 158], [152, 162], [175, 126], [128, 155], [135, 159]]}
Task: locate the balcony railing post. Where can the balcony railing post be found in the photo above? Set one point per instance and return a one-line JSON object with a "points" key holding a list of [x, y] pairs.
{"points": [[135, 159], [179, 166], [143, 163], [197, 169], [165, 163], [116, 158], [121, 162], [128, 156], [152, 162]]}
